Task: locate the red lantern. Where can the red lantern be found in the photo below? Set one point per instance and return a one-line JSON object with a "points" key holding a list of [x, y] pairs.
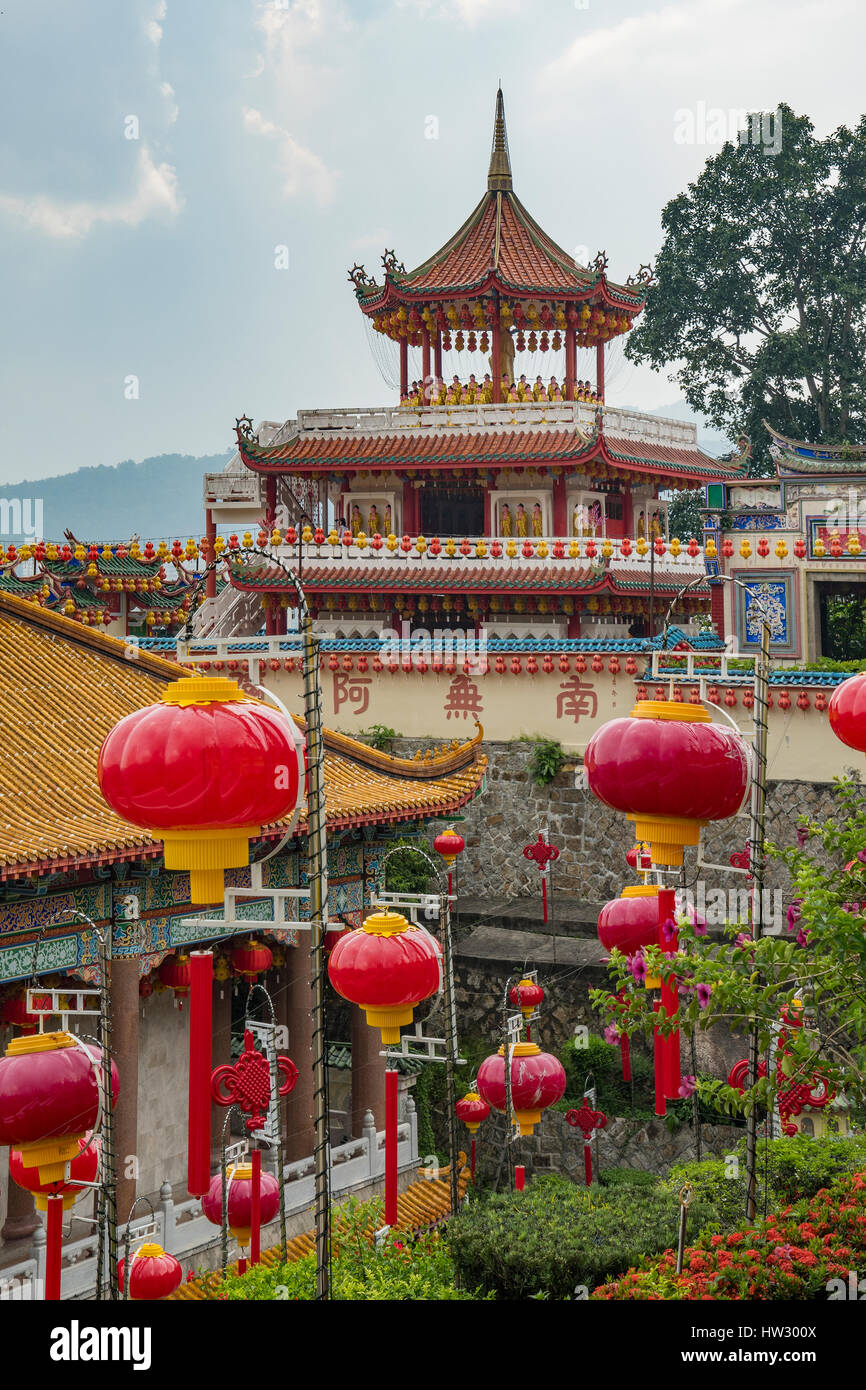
{"points": [[240, 1190], [145, 987], [784, 700], [449, 844], [820, 702], [597, 663], [386, 967], [176, 974], [203, 769], [803, 701], [671, 770], [153, 1273], [251, 959], [82, 1169], [537, 1081], [526, 996], [14, 1014], [848, 712], [630, 666], [472, 1110], [50, 1097], [631, 921]]}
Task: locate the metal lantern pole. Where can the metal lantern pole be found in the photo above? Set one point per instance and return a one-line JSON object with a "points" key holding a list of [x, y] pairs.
{"points": [[318, 878], [757, 831]]}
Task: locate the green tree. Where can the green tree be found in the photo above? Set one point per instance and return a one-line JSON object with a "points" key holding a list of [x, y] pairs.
{"points": [[814, 971], [684, 514], [760, 293]]}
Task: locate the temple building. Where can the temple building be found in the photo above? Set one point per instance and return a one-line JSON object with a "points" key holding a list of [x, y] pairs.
{"points": [[538, 502], [68, 863]]}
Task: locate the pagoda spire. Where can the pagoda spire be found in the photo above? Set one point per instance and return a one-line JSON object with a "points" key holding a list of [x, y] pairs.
{"points": [[499, 173]]}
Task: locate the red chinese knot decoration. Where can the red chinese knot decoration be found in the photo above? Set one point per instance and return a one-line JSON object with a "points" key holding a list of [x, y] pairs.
{"points": [[248, 1083], [541, 853], [587, 1121]]}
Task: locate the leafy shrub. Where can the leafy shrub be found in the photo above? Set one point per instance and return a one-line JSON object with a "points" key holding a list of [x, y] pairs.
{"points": [[547, 760], [788, 1170], [791, 1255], [406, 1266], [554, 1237], [379, 736], [628, 1177], [407, 872], [603, 1060]]}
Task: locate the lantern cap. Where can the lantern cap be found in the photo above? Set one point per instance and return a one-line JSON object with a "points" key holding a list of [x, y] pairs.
{"points": [[202, 690], [240, 1172], [385, 924], [40, 1042], [671, 711], [640, 890], [521, 1049], [149, 1251]]}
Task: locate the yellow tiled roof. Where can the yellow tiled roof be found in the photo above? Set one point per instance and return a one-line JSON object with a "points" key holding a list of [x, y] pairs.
{"points": [[423, 1205], [63, 687]]}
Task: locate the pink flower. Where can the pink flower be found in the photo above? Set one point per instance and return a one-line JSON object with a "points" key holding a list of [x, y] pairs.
{"points": [[802, 937], [688, 1086], [699, 925], [611, 1034], [637, 966], [704, 993], [743, 941], [793, 913], [803, 833]]}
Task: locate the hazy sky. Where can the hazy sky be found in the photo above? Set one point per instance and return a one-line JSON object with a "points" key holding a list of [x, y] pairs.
{"points": [[155, 154]]}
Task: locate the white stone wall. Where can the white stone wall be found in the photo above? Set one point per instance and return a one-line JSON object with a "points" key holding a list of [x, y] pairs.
{"points": [[163, 1080]]}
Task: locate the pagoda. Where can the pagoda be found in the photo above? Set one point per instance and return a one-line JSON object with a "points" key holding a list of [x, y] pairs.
{"points": [[495, 495]]}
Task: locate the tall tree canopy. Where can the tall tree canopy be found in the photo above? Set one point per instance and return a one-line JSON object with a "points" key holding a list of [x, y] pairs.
{"points": [[760, 295]]}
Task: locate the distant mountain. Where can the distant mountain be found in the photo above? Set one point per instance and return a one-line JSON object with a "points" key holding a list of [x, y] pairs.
{"points": [[157, 498], [709, 439]]}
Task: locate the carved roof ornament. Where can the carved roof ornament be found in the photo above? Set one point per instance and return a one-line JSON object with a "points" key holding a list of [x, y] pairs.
{"points": [[359, 278], [645, 276], [600, 263], [244, 430], [391, 264]]}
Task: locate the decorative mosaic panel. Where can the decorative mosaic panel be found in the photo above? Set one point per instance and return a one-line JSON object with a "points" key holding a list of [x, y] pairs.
{"points": [[771, 591], [761, 521], [31, 914], [60, 953]]}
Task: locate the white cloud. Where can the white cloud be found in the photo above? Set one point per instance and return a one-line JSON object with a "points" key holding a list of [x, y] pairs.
{"points": [[168, 92], [302, 170], [153, 27], [469, 13], [155, 192]]}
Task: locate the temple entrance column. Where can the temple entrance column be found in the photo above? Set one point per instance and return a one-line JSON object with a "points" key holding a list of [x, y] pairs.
{"points": [[570, 360], [294, 1007], [425, 365], [437, 357], [368, 1073], [124, 1002], [560, 516], [404, 368]]}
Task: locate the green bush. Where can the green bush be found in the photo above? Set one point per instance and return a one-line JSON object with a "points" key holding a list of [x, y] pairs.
{"points": [[614, 1094], [555, 1237], [547, 760], [405, 1267], [379, 736], [628, 1177], [407, 872], [788, 1170]]}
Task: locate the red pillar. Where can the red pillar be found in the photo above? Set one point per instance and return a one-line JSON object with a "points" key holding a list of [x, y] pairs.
{"points": [[437, 356], [519, 1177], [54, 1248], [570, 365], [410, 522], [560, 513], [627, 512], [496, 339], [368, 1073], [256, 1209], [200, 1039], [599, 371], [488, 513], [670, 999], [270, 502], [404, 368], [659, 1065], [391, 1095], [425, 361], [210, 531], [717, 607]]}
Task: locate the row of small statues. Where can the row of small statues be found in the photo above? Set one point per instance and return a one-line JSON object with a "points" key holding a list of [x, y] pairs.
{"points": [[474, 392]]}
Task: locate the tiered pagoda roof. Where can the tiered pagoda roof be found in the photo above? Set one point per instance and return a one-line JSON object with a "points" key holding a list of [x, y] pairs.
{"points": [[500, 251], [458, 448], [50, 664]]}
